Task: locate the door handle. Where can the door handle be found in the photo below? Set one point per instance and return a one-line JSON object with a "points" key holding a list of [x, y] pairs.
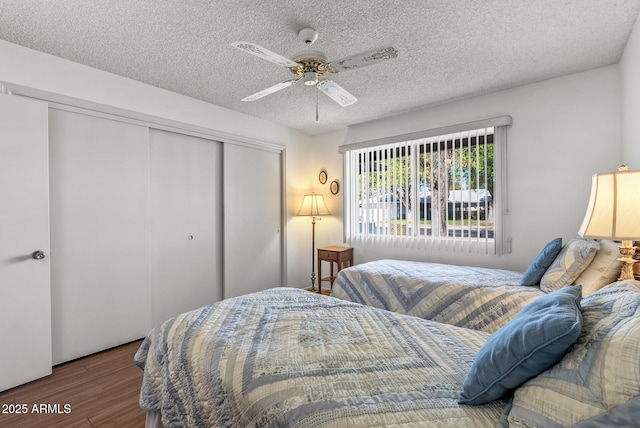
{"points": [[38, 255]]}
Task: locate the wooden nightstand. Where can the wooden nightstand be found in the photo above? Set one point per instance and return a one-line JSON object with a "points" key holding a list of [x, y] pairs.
{"points": [[339, 255]]}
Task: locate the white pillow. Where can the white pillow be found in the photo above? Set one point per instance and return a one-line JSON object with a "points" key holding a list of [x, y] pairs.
{"points": [[603, 270], [573, 259]]}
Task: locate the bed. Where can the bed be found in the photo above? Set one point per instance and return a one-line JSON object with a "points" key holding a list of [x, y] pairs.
{"points": [[290, 358], [286, 357], [479, 298], [472, 297]]}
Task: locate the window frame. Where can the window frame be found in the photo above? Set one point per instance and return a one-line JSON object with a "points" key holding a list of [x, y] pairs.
{"points": [[500, 243]]}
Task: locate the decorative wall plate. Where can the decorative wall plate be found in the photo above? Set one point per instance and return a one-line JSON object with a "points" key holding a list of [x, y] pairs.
{"points": [[323, 176], [334, 187]]}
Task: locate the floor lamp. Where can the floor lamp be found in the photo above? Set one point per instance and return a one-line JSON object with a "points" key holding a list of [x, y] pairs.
{"points": [[612, 213], [313, 206]]}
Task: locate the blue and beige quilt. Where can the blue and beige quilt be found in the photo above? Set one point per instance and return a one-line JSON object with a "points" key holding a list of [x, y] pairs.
{"points": [[286, 357], [471, 297]]}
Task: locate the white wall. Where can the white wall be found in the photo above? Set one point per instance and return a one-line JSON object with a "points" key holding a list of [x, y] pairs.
{"points": [[31, 69], [564, 130], [630, 76], [326, 156]]}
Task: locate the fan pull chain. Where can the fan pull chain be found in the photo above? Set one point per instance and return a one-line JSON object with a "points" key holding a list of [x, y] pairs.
{"points": [[317, 108]]}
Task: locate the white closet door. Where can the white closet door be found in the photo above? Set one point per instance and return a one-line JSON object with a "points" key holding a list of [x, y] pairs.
{"points": [[252, 220], [25, 298], [186, 223], [99, 179]]}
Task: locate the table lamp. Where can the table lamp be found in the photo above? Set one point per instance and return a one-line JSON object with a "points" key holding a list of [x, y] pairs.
{"points": [[613, 213]]}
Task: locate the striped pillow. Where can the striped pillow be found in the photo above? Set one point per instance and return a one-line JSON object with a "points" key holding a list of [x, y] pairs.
{"points": [[573, 259]]}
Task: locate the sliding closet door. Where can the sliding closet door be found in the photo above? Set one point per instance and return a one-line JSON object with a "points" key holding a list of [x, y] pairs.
{"points": [[99, 187], [253, 219], [25, 298], [186, 223]]}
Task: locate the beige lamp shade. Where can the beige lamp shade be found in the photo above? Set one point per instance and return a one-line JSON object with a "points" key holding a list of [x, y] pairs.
{"points": [[614, 207], [313, 205]]}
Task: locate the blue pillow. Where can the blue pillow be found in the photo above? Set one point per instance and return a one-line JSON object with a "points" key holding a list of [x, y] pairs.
{"points": [[534, 340], [536, 270]]}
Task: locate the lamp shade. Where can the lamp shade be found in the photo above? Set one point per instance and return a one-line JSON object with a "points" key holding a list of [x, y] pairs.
{"points": [[313, 205], [614, 207]]}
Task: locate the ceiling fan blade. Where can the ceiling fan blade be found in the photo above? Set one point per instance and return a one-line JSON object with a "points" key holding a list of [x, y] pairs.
{"points": [[259, 51], [270, 90], [337, 93], [363, 59]]}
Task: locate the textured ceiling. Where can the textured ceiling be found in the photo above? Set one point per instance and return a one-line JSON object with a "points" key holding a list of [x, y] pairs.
{"points": [[448, 49]]}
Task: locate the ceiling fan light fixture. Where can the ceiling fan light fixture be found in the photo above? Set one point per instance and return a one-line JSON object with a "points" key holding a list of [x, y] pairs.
{"points": [[309, 65], [310, 78]]}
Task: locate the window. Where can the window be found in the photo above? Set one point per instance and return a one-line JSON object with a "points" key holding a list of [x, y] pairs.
{"points": [[439, 189]]}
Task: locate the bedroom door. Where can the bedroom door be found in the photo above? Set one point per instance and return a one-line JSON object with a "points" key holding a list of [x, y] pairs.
{"points": [[253, 219], [25, 296]]}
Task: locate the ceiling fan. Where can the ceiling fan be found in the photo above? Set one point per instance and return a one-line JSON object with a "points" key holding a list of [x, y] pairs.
{"points": [[312, 67]]}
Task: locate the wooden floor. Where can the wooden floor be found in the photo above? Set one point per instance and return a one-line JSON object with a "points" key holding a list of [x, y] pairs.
{"points": [[101, 390]]}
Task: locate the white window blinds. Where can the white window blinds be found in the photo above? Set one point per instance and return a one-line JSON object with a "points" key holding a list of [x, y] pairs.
{"points": [[441, 192]]}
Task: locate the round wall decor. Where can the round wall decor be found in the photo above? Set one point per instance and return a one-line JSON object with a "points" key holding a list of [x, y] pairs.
{"points": [[322, 176], [334, 187]]}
